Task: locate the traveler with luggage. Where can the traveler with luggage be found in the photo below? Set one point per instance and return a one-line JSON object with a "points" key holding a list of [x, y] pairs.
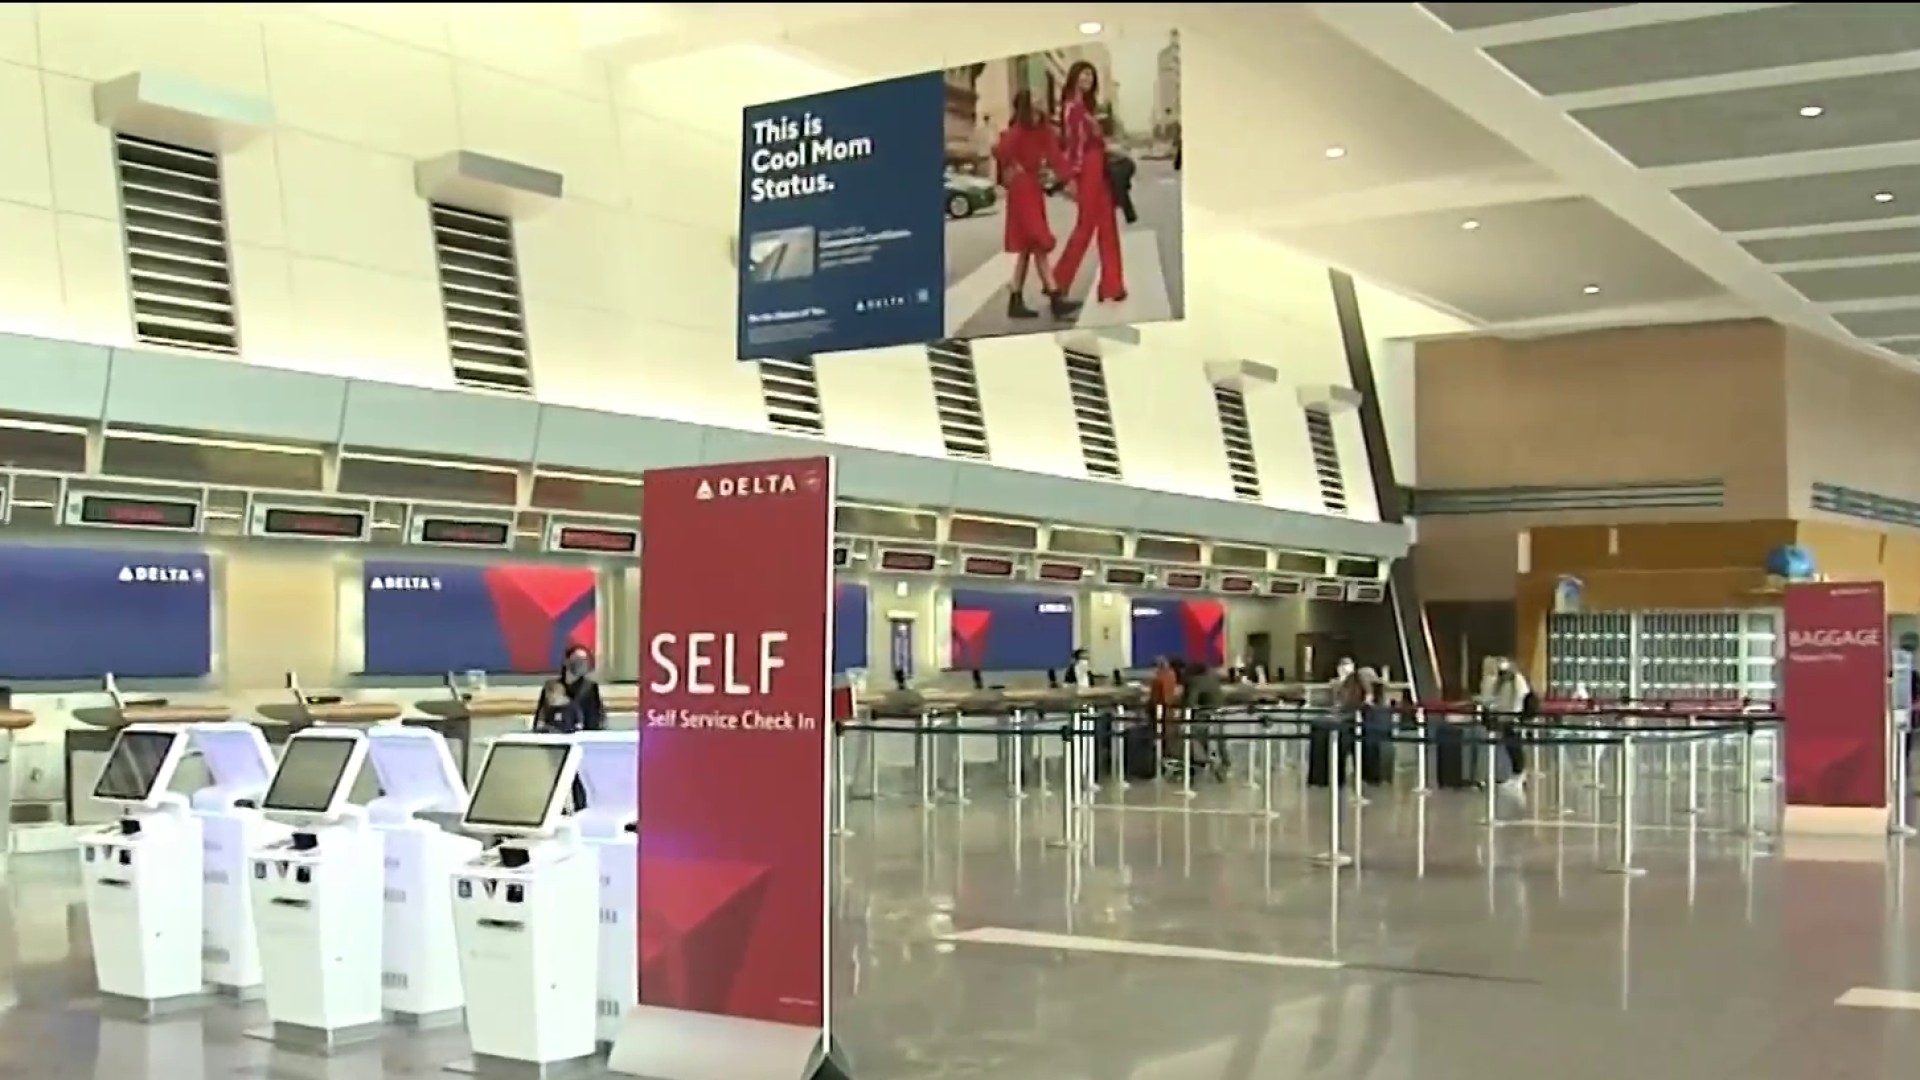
{"points": [[1330, 741], [1377, 720], [1203, 699], [1508, 702], [571, 703]]}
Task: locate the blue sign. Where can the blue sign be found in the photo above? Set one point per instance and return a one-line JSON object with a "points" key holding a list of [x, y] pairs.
{"points": [[1011, 631], [849, 627], [68, 613], [507, 618], [1027, 194]]}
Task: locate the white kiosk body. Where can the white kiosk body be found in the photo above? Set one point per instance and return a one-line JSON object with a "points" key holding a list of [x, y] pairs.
{"points": [[231, 828], [420, 958], [610, 773], [316, 896], [143, 875], [527, 910]]}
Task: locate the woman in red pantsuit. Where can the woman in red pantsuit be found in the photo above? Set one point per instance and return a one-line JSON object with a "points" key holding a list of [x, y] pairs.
{"points": [[1027, 145], [1085, 145]]}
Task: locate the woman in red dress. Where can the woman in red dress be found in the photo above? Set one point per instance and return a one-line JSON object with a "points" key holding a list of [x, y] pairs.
{"points": [[1085, 146], [1027, 144]]}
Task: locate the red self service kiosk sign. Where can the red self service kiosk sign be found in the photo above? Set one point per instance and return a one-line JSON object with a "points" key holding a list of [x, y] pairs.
{"points": [[734, 752], [1835, 699]]}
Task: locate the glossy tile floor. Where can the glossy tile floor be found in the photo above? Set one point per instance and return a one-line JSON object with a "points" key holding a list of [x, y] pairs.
{"points": [[1194, 939]]}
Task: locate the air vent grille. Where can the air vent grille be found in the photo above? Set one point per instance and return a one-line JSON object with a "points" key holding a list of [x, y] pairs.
{"points": [[1093, 414], [956, 394], [1236, 438], [480, 295], [791, 391], [179, 268], [1326, 460]]}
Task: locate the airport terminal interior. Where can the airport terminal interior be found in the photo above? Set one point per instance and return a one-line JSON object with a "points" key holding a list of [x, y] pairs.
{"points": [[1426, 586]]}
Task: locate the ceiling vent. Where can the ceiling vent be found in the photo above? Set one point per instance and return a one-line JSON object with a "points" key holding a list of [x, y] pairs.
{"points": [[956, 395], [480, 299], [179, 268], [1093, 414]]}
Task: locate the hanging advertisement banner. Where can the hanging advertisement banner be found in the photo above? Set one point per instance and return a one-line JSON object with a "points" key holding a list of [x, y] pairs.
{"points": [[1026, 194], [1834, 672], [735, 771]]}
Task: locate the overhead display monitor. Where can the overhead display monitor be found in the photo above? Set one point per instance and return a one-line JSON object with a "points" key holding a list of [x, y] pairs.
{"points": [[897, 212], [1178, 628], [1011, 631], [134, 765], [77, 613], [502, 618], [312, 777], [518, 785]]}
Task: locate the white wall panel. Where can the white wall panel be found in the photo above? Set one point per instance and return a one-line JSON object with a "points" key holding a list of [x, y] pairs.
{"points": [[217, 44], [1164, 417], [360, 87], [882, 398], [19, 42], [1023, 395], [514, 118], [1391, 321], [80, 150], [30, 297], [25, 176]]}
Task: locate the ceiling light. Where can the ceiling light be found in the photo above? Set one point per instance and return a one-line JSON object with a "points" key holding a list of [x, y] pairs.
{"points": [[1883, 196], [1590, 290], [1090, 27], [1811, 111], [1334, 153], [1470, 224]]}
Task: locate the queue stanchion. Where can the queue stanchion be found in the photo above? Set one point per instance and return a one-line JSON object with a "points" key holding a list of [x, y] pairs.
{"points": [[1017, 760], [840, 780], [959, 762], [1898, 793], [1693, 767], [1069, 838], [873, 763], [1117, 751], [1748, 789], [1334, 858], [1265, 732], [1492, 784], [1625, 767], [1421, 750], [923, 779], [1186, 754]]}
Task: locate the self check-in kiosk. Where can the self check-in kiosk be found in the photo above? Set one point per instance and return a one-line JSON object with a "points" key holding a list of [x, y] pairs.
{"points": [[420, 959], [610, 774], [143, 875], [316, 896], [526, 911], [240, 765]]}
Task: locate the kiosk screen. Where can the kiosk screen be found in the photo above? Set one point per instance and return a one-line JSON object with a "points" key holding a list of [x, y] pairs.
{"points": [[133, 765], [517, 785], [309, 774]]}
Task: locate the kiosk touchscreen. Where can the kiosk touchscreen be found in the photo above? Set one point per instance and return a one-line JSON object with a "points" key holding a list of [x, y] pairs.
{"points": [[143, 874], [240, 765], [316, 895], [526, 911], [420, 960], [610, 776]]}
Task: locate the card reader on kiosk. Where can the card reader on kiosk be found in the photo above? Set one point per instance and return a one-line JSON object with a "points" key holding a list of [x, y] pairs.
{"points": [[232, 827], [420, 959], [610, 773], [316, 896], [143, 875], [526, 911]]}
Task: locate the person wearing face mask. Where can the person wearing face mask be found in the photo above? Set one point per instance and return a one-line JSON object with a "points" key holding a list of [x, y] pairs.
{"points": [[1330, 744], [571, 703], [1080, 672], [1508, 700]]}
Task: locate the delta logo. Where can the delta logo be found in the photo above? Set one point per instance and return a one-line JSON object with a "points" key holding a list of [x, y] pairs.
{"points": [[753, 486]]}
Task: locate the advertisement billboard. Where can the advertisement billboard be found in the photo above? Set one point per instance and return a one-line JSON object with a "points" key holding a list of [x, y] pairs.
{"points": [[1175, 628], [429, 618], [1011, 631], [1026, 194], [73, 613], [735, 741], [1835, 694]]}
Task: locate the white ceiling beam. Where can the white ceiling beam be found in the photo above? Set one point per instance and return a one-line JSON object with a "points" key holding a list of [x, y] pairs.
{"points": [[1710, 309], [1624, 17], [1843, 159], [1782, 232], [1872, 304], [1432, 195], [1412, 40], [1735, 81], [1851, 262], [639, 33]]}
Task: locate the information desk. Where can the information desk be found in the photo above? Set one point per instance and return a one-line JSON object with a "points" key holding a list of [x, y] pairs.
{"points": [[610, 775], [239, 767], [420, 960], [527, 911], [317, 897], [143, 875]]}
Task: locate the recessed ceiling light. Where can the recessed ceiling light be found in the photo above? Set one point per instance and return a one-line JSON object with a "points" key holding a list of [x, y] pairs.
{"points": [[1883, 196], [1334, 153], [1090, 28], [1811, 111], [1470, 224], [1590, 290]]}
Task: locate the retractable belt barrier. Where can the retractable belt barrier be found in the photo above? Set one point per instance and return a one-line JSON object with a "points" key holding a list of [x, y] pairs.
{"points": [[1024, 736]]}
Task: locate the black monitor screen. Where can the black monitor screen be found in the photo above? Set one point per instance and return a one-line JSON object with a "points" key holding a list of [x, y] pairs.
{"points": [[309, 773], [517, 785], [133, 765]]}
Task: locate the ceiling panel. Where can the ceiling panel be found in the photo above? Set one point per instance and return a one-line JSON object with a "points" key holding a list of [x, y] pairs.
{"points": [[1476, 16], [1857, 282], [1902, 322], [1775, 37], [1867, 111], [1842, 245], [1803, 201], [1525, 261]]}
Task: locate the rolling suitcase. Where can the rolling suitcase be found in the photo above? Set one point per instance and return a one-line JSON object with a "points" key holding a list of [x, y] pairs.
{"points": [[1142, 751], [1450, 755]]}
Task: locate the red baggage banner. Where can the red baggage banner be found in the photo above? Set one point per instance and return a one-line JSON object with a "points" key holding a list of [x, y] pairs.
{"points": [[736, 615], [1835, 694]]}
